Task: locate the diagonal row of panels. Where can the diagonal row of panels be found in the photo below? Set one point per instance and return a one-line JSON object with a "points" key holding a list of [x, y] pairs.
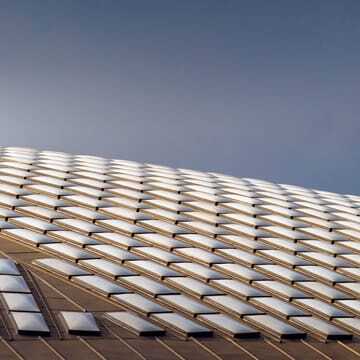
{"points": [[236, 255]]}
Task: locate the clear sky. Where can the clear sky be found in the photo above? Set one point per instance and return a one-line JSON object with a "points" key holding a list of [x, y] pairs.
{"points": [[264, 89]]}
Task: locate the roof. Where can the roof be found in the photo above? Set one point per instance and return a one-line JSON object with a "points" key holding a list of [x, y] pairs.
{"points": [[102, 258]]}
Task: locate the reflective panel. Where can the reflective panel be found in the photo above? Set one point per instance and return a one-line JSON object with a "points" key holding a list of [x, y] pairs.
{"points": [[35, 224], [100, 284], [146, 285], [28, 323], [244, 243], [321, 328], [42, 212], [354, 258], [352, 324], [80, 225], [352, 272], [20, 302], [285, 221], [323, 291], [42, 200], [242, 208], [73, 237], [275, 327], [123, 241], [283, 273], [82, 213], [168, 205], [352, 306], [29, 237], [352, 287], [237, 288], [204, 242], [182, 325], [321, 308], [198, 271], [323, 234], [192, 286], [285, 291], [288, 233], [113, 252], [284, 258], [134, 323], [208, 207], [166, 215], [186, 304], [124, 202], [278, 307], [80, 323], [152, 268], [125, 214], [69, 251], [323, 274], [326, 246], [139, 303], [61, 267], [107, 267], [10, 201], [164, 227], [159, 255], [242, 257], [287, 245], [201, 255], [86, 201], [245, 219], [8, 267], [325, 260], [228, 325], [13, 284], [232, 305], [162, 241], [48, 190], [212, 219], [123, 227]]}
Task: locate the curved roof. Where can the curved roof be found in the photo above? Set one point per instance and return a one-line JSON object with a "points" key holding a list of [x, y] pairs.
{"points": [[105, 258]]}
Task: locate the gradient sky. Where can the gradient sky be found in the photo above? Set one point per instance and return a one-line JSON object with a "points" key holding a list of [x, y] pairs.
{"points": [[264, 89]]}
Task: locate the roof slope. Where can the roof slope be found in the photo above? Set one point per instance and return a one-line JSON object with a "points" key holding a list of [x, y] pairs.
{"points": [[105, 258]]}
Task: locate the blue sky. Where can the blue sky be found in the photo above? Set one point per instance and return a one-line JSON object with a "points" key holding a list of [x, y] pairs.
{"points": [[251, 88]]}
